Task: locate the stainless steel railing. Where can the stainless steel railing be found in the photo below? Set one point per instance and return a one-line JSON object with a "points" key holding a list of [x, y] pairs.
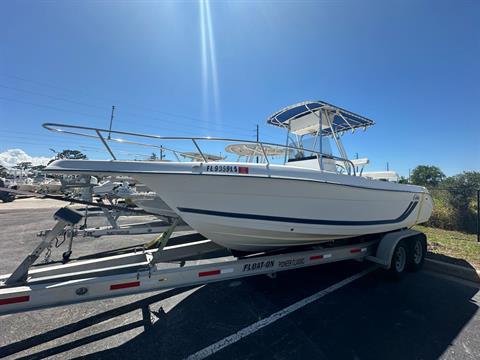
{"points": [[98, 133]]}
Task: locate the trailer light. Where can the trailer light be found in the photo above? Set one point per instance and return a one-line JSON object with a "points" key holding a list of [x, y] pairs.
{"points": [[14, 300], [124, 285], [320, 257], [209, 273], [215, 272]]}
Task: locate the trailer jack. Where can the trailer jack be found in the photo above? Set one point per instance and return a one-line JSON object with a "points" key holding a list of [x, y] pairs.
{"points": [[65, 218]]}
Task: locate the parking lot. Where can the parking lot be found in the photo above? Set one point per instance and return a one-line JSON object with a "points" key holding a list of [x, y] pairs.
{"points": [[423, 316]]}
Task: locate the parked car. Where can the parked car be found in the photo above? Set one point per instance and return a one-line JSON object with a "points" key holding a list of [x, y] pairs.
{"points": [[6, 196]]}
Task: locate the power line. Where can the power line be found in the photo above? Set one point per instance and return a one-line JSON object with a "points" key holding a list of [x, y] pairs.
{"points": [[52, 97], [50, 107], [109, 100], [69, 111], [132, 114], [18, 139]]}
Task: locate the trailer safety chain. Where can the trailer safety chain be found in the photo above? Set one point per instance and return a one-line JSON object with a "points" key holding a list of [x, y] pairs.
{"points": [[57, 243]]}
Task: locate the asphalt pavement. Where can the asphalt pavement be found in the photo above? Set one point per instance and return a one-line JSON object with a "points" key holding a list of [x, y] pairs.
{"points": [[423, 316]]}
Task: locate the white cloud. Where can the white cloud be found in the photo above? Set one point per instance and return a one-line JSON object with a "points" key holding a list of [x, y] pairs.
{"points": [[11, 157]]}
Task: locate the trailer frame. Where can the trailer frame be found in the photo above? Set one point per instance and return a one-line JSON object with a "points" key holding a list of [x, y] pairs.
{"points": [[169, 267]]}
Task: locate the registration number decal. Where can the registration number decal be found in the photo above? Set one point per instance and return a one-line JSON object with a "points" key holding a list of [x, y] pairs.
{"points": [[233, 169]]}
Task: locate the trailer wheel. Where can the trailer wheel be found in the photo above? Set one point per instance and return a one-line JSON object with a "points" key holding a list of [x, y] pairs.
{"points": [[399, 262], [418, 250]]}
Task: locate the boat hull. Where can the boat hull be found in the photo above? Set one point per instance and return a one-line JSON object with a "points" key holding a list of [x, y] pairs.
{"points": [[256, 207], [153, 204], [255, 213]]}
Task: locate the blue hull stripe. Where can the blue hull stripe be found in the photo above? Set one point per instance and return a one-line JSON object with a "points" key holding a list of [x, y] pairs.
{"points": [[402, 217]]}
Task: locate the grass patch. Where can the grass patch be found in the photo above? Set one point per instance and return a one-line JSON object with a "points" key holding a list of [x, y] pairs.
{"points": [[453, 244]]}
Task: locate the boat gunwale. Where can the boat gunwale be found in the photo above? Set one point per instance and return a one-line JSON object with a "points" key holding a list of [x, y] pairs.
{"points": [[420, 190]]}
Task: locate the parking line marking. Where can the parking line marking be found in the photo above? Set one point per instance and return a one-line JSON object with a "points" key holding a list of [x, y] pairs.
{"points": [[229, 340]]}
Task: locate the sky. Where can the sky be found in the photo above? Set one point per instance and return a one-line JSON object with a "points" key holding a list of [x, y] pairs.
{"points": [[218, 68]]}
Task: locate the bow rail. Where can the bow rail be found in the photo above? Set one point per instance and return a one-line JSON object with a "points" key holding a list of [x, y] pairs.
{"points": [[99, 134]]}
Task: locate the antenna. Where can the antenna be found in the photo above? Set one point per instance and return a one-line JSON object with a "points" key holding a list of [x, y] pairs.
{"points": [[111, 121]]}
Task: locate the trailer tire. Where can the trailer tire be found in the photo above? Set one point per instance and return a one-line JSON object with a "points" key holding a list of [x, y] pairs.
{"points": [[418, 250], [399, 261]]}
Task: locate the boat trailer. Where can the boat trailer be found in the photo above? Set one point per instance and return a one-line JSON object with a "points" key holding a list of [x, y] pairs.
{"points": [[111, 213], [157, 266]]}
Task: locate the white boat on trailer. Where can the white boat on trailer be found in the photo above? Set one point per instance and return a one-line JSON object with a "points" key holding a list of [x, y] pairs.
{"points": [[312, 197]]}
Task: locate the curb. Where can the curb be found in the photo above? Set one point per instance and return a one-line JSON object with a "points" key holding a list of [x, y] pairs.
{"points": [[452, 270]]}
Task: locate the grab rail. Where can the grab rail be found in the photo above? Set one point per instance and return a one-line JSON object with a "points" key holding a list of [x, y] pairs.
{"points": [[55, 127]]}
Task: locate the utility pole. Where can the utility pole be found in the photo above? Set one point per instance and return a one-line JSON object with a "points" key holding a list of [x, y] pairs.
{"points": [[257, 143], [111, 121], [388, 167], [161, 152]]}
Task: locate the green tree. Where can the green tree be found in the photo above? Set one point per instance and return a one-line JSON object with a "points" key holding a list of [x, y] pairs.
{"points": [[38, 167], [3, 171], [153, 157], [23, 165], [425, 175], [69, 154], [462, 190]]}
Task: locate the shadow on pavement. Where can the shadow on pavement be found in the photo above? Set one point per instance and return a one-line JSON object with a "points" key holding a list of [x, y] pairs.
{"points": [[418, 317], [86, 323], [452, 260]]}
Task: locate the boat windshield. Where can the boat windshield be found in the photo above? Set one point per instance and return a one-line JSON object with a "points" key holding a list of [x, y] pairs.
{"points": [[311, 143]]}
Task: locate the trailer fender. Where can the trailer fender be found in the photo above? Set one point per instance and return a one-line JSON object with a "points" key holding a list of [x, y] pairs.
{"points": [[387, 245]]}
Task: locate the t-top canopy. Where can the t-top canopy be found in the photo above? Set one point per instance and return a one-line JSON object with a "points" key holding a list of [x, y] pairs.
{"points": [[196, 156], [249, 149], [303, 118]]}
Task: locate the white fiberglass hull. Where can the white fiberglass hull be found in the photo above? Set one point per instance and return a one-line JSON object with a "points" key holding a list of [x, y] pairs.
{"points": [[264, 208], [152, 204], [261, 214]]}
